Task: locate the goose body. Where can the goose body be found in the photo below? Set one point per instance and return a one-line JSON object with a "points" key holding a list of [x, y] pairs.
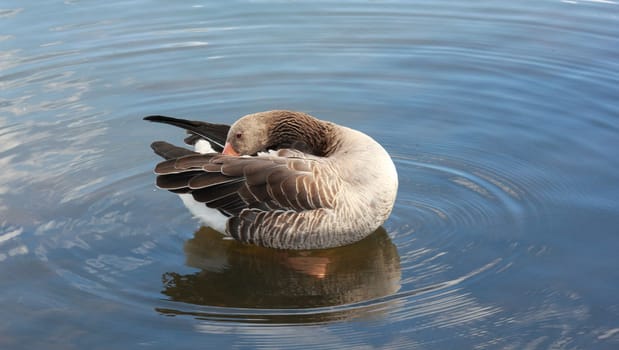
{"points": [[281, 179]]}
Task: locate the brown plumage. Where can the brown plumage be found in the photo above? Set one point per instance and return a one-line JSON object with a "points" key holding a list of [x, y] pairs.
{"points": [[285, 179]]}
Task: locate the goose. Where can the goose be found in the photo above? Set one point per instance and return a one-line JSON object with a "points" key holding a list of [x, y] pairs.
{"points": [[280, 179]]}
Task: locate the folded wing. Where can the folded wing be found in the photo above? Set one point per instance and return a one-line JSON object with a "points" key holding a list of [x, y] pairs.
{"points": [[268, 190]]}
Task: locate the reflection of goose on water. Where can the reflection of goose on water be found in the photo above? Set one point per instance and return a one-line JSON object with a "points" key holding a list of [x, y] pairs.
{"points": [[283, 179], [238, 275]]}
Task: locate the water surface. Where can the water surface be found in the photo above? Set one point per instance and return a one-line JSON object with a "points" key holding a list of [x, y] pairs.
{"points": [[502, 119]]}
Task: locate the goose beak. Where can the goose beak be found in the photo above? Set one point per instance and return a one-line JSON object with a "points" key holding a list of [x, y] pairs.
{"points": [[228, 150]]}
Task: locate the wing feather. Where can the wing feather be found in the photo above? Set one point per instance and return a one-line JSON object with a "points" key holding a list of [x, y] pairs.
{"points": [[259, 182], [194, 161], [266, 197], [176, 181], [201, 179]]}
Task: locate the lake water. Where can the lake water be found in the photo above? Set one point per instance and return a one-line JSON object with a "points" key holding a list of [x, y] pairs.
{"points": [[502, 118]]}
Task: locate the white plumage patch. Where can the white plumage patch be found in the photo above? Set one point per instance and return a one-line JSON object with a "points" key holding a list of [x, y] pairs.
{"points": [[267, 153], [209, 216], [203, 146]]}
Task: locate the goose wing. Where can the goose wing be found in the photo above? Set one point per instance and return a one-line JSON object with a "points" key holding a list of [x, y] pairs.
{"points": [[267, 197], [282, 181]]}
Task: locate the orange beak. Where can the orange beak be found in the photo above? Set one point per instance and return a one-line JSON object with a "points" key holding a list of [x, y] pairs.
{"points": [[228, 150]]}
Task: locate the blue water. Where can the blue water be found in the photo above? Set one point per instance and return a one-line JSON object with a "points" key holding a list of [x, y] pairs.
{"points": [[502, 118]]}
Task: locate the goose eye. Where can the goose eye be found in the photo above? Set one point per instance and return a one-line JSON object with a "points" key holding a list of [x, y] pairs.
{"points": [[239, 135]]}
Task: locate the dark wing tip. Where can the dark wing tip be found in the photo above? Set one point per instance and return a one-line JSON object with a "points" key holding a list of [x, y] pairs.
{"points": [[156, 144], [214, 133], [152, 118], [162, 119]]}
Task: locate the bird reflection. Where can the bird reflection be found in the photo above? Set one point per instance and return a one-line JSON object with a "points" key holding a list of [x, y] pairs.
{"points": [[238, 275]]}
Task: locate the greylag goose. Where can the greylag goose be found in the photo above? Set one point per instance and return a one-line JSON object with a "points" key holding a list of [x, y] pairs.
{"points": [[281, 179]]}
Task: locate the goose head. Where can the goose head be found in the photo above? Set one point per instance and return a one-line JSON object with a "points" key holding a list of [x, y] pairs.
{"points": [[273, 130]]}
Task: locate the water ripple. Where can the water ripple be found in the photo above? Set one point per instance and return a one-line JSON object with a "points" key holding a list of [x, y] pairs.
{"points": [[501, 117]]}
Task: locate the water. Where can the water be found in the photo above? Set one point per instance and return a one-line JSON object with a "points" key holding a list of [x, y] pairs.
{"points": [[502, 118]]}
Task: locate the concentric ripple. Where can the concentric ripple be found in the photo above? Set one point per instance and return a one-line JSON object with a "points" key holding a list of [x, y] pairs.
{"points": [[501, 118]]}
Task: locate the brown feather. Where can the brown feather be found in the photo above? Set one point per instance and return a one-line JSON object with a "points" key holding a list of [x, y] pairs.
{"points": [[166, 167], [202, 179], [212, 193], [193, 161], [257, 172], [175, 181], [234, 166]]}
